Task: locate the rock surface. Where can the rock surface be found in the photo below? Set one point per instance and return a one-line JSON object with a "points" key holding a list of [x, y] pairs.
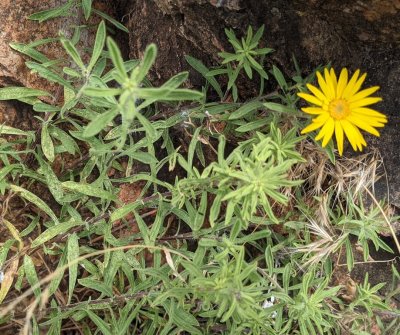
{"points": [[16, 27]]}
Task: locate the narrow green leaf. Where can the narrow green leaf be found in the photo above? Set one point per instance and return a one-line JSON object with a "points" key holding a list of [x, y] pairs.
{"points": [[143, 157], [279, 77], [47, 143], [73, 52], [245, 110], [111, 20], [116, 57], [157, 224], [257, 35], [59, 273], [349, 255], [149, 57], [29, 196], [98, 44], [116, 260], [176, 80], [233, 74], [88, 189], [253, 125], [248, 70], [279, 107], [249, 36], [87, 8], [183, 94], [43, 41], [163, 94], [29, 51], [11, 93], [216, 72], [147, 125], [47, 74], [144, 230], [183, 319], [123, 211], [103, 326], [192, 146], [48, 234], [7, 169], [31, 275], [72, 255], [70, 72], [69, 96], [255, 64], [7, 130], [264, 51], [202, 69], [66, 140], [53, 183], [96, 285], [99, 123], [29, 100], [43, 107], [52, 13]]}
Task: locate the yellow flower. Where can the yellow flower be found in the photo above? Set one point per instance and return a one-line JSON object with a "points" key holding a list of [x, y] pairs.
{"points": [[340, 107]]}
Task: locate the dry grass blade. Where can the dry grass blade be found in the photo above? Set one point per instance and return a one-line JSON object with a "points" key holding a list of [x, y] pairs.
{"points": [[396, 240]]}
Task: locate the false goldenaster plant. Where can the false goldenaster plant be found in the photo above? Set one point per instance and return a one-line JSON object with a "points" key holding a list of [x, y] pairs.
{"points": [[341, 108]]}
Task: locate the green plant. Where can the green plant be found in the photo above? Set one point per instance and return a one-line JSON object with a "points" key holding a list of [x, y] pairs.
{"points": [[141, 209], [245, 56]]}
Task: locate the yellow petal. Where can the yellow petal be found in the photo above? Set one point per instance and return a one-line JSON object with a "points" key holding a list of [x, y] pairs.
{"points": [[322, 118], [324, 87], [350, 133], [351, 84], [312, 110], [360, 123], [339, 136], [310, 98], [369, 112], [317, 93], [372, 121], [330, 127], [363, 94], [364, 102], [311, 127], [369, 119], [342, 83], [334, 79], [316, 123], [360, 139], [354, 135], [330, 83], [357, 86]]}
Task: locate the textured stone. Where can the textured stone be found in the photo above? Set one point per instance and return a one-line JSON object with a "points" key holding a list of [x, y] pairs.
{"points": [[16, 27]]}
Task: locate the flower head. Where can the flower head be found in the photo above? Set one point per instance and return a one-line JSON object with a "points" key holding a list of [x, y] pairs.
{"points": [[340, 107]]}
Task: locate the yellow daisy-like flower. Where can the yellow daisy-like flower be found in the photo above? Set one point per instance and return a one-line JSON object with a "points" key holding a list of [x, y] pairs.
{"points": [[340, 107]]}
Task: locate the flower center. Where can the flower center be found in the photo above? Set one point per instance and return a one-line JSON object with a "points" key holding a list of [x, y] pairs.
{"points": [[339, 109]]}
